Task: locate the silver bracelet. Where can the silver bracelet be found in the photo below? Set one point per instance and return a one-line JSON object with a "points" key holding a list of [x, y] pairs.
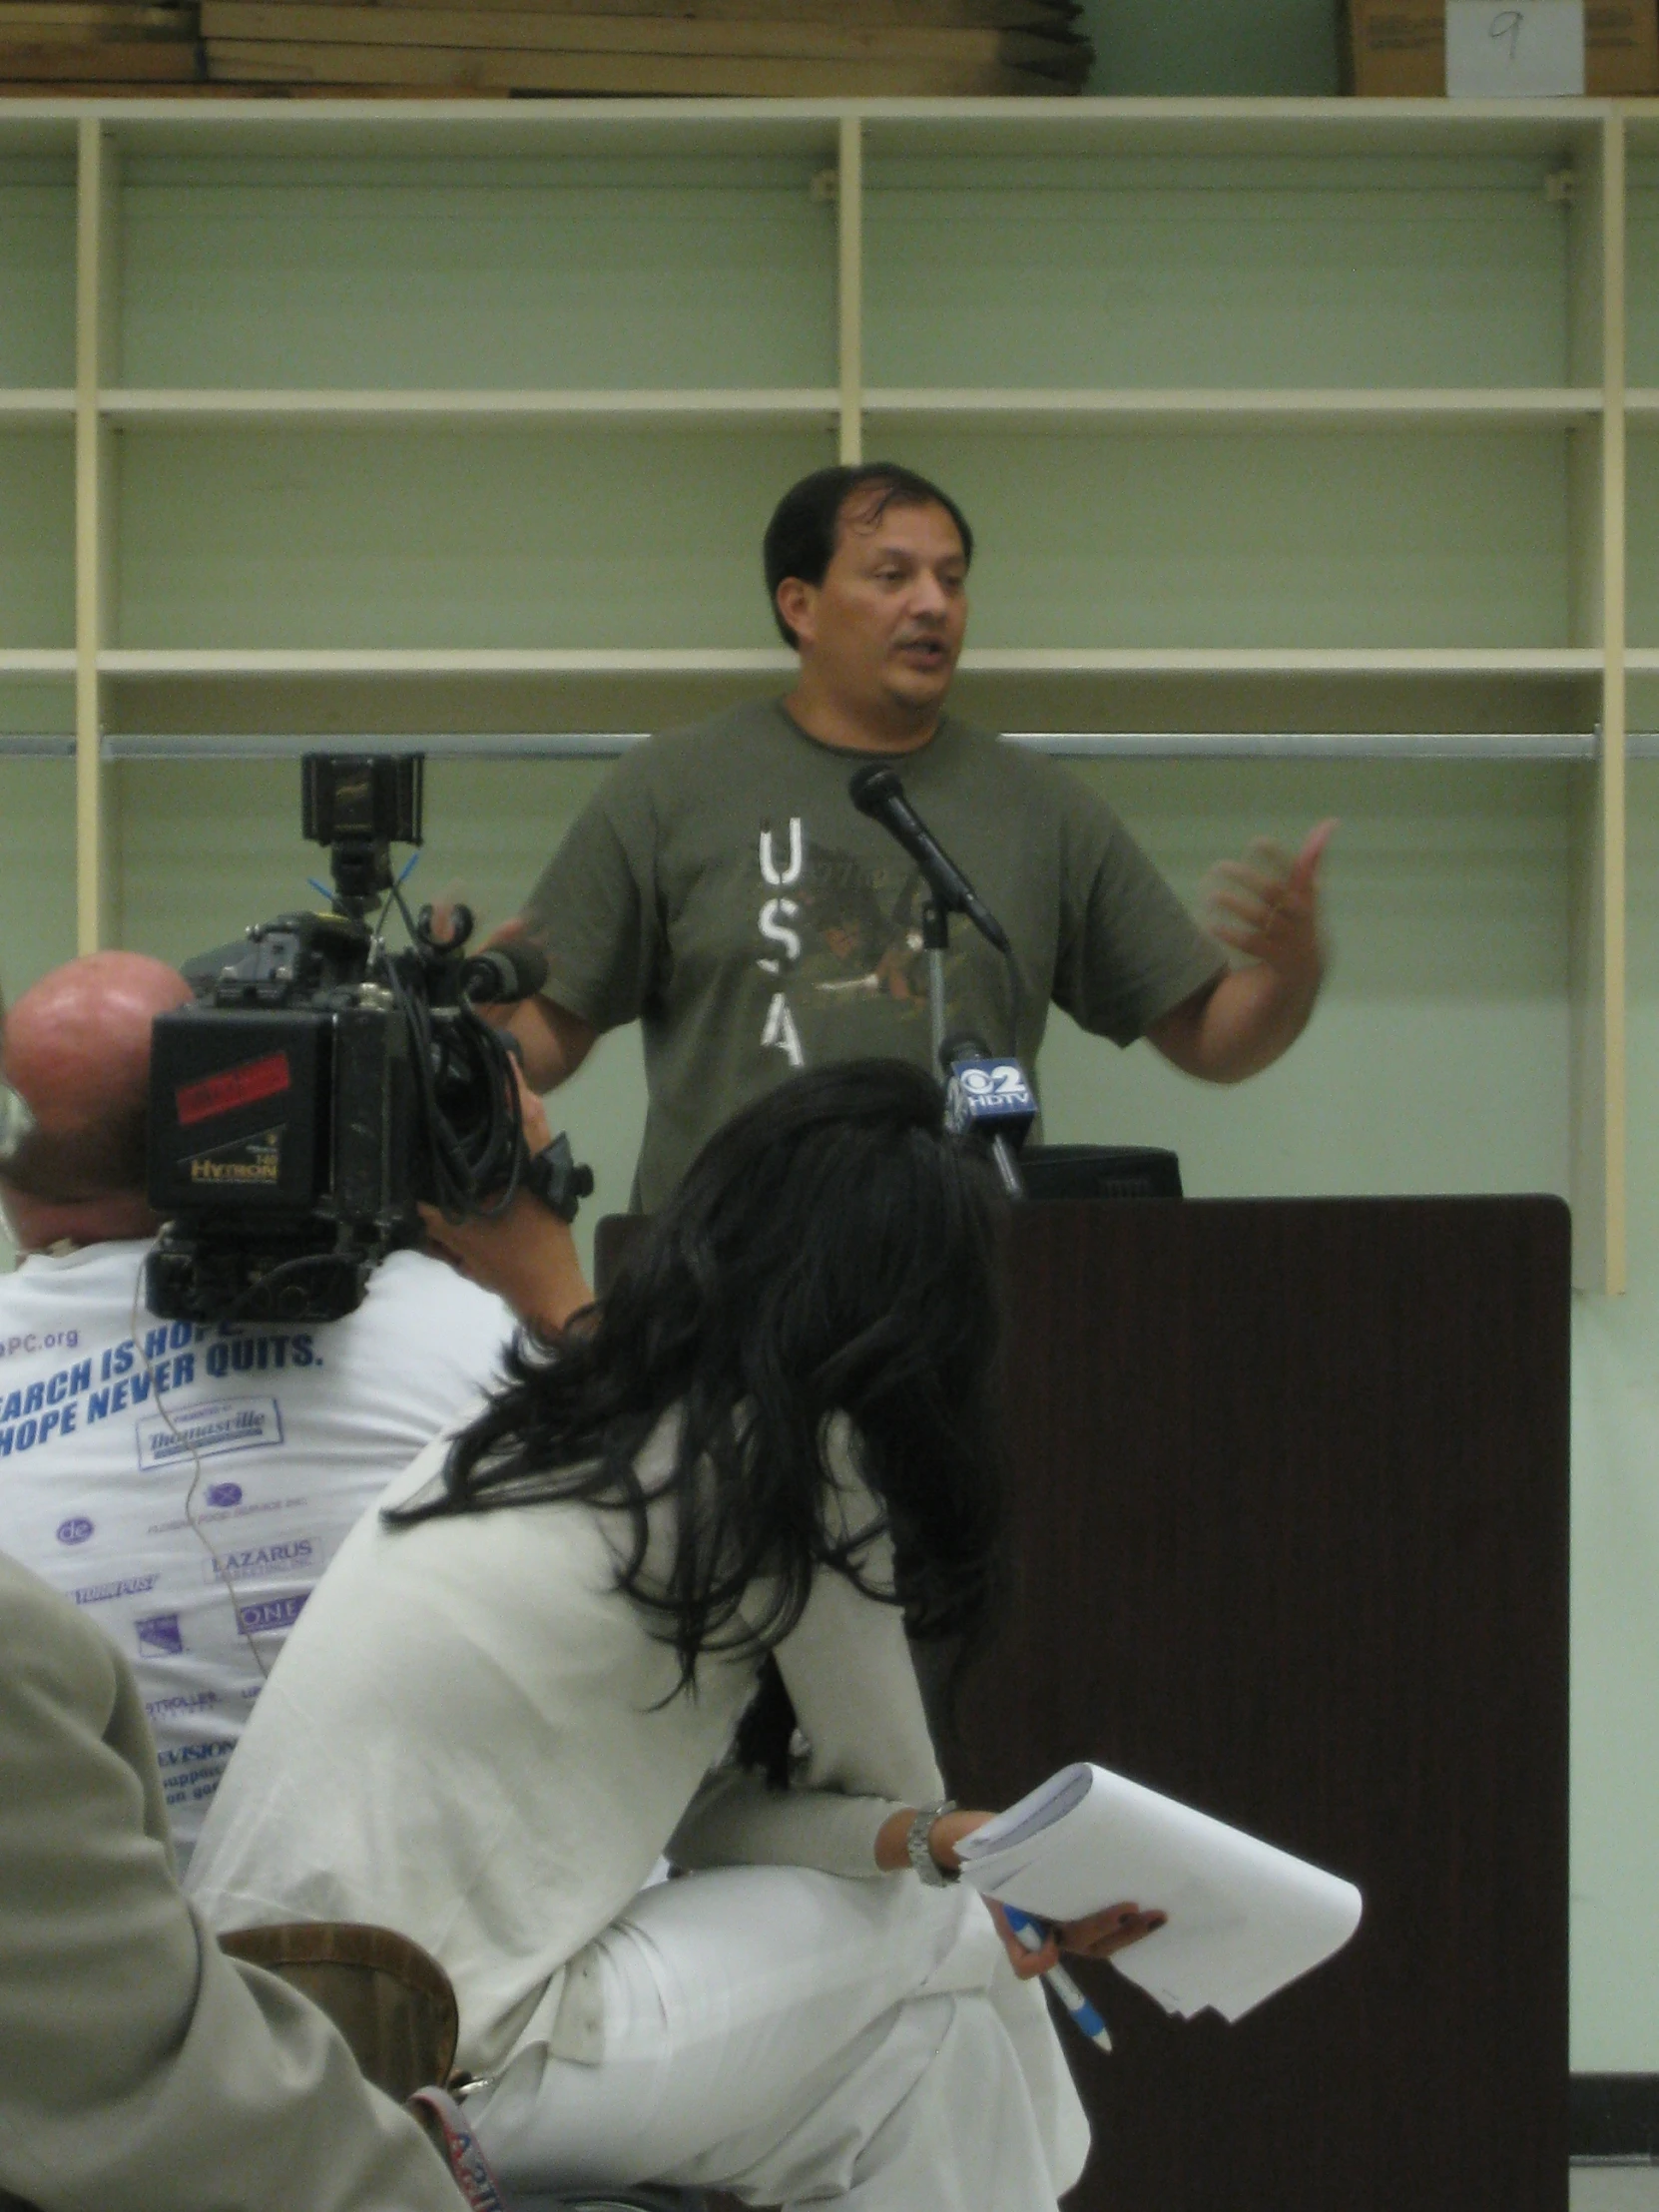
{"points": [[917, 1848]]}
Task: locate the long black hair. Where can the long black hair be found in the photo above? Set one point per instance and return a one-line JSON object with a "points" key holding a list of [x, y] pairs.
{"points": [[831, 1252]]}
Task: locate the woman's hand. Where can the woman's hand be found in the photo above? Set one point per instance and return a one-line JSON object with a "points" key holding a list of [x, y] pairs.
{"points": [[1098, 1936]]}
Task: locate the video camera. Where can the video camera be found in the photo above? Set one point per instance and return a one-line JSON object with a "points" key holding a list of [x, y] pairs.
{"points": [[321, 1087]]}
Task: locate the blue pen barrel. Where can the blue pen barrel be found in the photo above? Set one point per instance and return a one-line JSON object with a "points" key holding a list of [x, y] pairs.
{"points": [[1033, 1933]]}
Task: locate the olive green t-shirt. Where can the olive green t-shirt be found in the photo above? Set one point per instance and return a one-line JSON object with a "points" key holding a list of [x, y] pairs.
{"points": [[722, 890]]}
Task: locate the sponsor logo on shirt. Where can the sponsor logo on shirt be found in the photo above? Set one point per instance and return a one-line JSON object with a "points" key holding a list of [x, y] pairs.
{"points": [[49, 1340], [198, 1701], [271, 1613], [224, 1495], [294, 1555], [69, 1400], [75, 1530], [160, 1636], [208, 1433], [130, 1585], [191, 1755]]}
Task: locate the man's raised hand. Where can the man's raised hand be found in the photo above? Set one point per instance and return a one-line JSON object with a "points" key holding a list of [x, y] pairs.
{"points": [[1267, 905]]}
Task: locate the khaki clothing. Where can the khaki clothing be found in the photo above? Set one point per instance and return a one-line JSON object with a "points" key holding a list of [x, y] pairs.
{"points": [[143, 2070], [722, 890]]}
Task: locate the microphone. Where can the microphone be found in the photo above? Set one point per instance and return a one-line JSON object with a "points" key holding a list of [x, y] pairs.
{"points": [[506, 972], [876, 791], [989, 1096]]}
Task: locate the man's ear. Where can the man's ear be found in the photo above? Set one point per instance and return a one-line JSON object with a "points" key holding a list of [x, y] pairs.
{"points": [[797, 603]]}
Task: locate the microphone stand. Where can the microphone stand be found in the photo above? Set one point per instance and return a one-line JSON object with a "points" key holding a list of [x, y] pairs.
{"points": [[936, 938]]}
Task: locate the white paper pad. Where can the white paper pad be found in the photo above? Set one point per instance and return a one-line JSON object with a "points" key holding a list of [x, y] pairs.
{"points": [[1244, 1917]]}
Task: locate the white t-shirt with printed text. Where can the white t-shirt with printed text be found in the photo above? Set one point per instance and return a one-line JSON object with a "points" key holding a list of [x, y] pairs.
{"points": [[186, 1483]]}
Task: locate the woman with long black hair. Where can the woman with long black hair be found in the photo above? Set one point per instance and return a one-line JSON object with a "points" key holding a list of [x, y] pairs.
{"points": [[655, 1598]]}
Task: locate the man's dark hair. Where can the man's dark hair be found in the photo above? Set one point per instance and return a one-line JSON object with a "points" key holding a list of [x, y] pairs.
{"points": [[800, 537]]}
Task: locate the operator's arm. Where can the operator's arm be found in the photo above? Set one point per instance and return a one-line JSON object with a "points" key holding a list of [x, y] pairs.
{"points": [[1267, 909], [526, 1256], [554, 1042], [143, 2069]]}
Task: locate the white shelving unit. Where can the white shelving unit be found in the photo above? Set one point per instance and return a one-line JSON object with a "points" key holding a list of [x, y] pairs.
{"points": [[1289, 428]]}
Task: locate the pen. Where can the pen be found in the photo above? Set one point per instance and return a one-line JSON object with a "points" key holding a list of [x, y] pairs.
{"points": [[1033, 1936]]}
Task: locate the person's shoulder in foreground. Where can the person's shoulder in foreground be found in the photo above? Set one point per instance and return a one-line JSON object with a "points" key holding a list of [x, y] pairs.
{"points": [[145, 2072]]}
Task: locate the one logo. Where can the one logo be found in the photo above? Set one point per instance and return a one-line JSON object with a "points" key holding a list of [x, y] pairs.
{"points": [[271, 1614], [224, 1494], [74, 1532], [161, 1635]]}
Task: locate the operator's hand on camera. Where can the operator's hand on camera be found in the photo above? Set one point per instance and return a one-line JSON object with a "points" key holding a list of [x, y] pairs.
{"points": [[554, 1042], [538, 1130], [526, 1256]]}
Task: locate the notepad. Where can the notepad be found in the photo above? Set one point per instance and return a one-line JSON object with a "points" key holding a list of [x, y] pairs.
{"points": [[1245, 1919]]}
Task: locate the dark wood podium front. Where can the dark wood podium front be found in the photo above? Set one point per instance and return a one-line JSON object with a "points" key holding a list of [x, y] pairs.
{"points": [[1292, 1543]]}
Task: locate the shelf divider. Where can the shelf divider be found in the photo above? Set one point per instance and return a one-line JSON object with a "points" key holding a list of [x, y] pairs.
{"points": [[1430, 748], [412, 408], [26, 409], [1169, 408], [849, 284], [1597, 989], [96, 331], [484, 661]]}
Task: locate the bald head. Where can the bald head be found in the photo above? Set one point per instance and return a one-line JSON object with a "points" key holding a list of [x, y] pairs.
{"points": [[77, 1048]]}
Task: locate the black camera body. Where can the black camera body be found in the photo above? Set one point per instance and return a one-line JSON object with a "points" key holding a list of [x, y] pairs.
{"points": [[321, 1088]]}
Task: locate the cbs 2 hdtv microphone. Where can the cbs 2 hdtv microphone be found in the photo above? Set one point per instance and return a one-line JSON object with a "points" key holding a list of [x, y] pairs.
{"points": [[989, 1095], [322, 1087]]}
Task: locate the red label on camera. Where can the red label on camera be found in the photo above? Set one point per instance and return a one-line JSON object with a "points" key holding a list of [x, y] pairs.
{"points": [[219, 1094]]}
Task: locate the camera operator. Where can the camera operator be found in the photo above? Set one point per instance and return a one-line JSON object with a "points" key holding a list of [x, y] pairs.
{"points": [[186, 1483]]}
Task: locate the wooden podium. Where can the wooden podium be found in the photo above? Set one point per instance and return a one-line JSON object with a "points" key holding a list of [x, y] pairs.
{"points": [[1292, 1486]]}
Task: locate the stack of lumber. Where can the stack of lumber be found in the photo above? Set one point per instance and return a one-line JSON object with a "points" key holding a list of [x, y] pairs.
{"points": [[802, 48], [130, 47]]}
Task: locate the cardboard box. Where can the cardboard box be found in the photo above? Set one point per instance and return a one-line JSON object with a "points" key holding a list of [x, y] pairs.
{"points": [[1396, 48]]}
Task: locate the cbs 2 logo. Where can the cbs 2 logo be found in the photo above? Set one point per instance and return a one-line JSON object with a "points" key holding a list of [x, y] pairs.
{"points": [[1004, 1083]]}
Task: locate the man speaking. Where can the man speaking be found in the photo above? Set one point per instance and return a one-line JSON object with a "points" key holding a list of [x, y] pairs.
{"points": [[723, 889]]}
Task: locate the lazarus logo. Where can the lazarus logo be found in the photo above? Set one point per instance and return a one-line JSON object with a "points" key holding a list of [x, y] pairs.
{"points": [[294, 1558]]}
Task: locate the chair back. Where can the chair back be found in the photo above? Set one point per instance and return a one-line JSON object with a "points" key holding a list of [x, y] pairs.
{"points": [[394, 2006], [390, 2000]]}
